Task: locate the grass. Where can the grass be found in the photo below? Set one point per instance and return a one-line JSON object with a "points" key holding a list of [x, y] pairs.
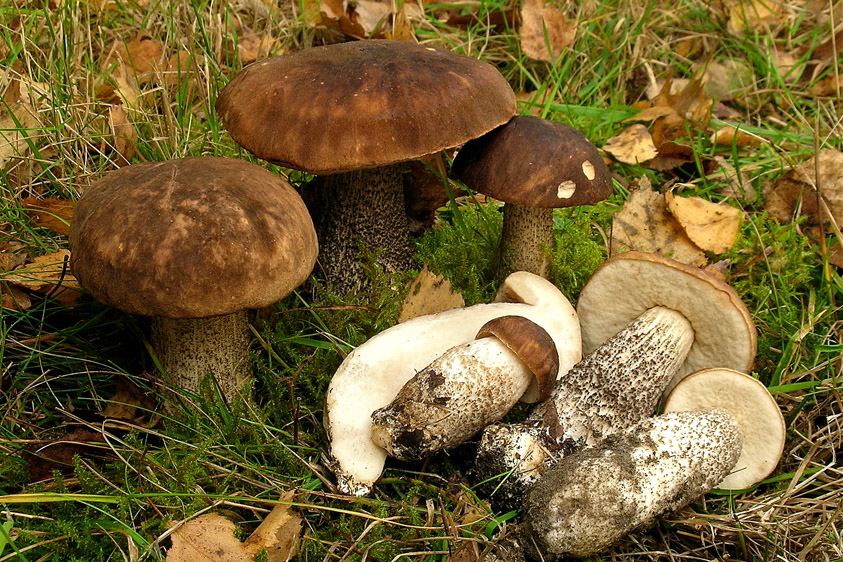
{"points": [[63, 364]]}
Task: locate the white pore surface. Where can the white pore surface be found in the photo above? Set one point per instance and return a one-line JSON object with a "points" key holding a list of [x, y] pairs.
{"points": [[760, 419], [371, 375], [630, 283]]}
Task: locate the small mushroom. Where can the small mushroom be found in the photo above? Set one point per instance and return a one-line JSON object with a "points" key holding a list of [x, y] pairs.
{"points": [[534, 166], [651, 320], [194, 243], [467, 388], [350, 113], [372, 375], [592, 498], [748, 400]]}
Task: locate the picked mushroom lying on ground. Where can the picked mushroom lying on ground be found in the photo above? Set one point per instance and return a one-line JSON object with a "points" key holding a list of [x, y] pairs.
{"points": [[722, 429], [374, 373], [650, 320]]}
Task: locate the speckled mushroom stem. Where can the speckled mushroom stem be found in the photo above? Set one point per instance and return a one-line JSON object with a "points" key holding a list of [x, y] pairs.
{"points": [[361, 210], [594, 497], [527, 236], [613, 388], [190, 349]]}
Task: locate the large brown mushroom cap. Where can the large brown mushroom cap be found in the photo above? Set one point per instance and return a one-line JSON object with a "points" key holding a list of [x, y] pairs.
{"points": [[535, 163], [191, 238], [362, 104]]}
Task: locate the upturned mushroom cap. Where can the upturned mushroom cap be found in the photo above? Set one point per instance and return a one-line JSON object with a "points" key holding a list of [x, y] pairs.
{"points": [[748, 400], [362, 104], [535, 163], [191, 238], [629, 283]]}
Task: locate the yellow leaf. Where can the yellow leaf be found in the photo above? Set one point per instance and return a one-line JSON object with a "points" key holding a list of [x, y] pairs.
{"points": [[429, 294], [714, 227], [633, 146], [48, 275]]}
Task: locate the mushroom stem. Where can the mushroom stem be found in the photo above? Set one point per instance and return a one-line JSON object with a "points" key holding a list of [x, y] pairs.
{"points": [[356, 211], [527, 236], [461, 392], [190, 349], [612, 389], [594, 497]]}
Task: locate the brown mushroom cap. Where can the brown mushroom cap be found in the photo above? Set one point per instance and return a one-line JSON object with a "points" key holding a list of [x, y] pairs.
{"points": [[759, 417], [535, 163], [627, 284], [362, 104], [531, 343], [191, 238]]}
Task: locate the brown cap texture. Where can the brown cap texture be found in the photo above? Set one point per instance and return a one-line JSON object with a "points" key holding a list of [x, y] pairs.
{"points": [[535, 163], [191, 238], [362, 104]]}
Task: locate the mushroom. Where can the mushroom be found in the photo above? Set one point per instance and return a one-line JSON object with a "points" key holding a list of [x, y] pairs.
{"points": [[533, 166], [594, 497], [672, 319], [757, 413], [467, 388], [194, 243], [721, 429], [372, 375], [350, 113]]}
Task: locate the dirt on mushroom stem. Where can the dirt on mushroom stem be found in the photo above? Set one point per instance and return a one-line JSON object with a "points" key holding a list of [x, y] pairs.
{"points": [[613, 388]]}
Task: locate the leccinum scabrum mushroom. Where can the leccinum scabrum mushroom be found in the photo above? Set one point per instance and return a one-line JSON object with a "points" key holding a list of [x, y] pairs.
{"points": [[467, 388], [193, 243], [592, 498], [672, 317], [371, 376]]}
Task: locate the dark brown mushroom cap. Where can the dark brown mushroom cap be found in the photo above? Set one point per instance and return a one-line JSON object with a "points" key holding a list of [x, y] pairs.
{"points": [[191, 238], [363, 104], [536, 163], [531, 343]]}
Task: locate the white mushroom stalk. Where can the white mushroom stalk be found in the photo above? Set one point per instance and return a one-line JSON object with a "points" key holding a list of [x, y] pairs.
{"points": [[615, 387], [371, 376], [594, 497], [467, 388]]}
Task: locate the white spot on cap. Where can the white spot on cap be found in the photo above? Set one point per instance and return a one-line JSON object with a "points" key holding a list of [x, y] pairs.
{"points": [[588, 169], [566, 189]]}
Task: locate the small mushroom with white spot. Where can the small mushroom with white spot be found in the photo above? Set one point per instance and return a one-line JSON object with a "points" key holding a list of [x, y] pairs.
{"points": [[467, 388], [650, 320], [534, 166]]}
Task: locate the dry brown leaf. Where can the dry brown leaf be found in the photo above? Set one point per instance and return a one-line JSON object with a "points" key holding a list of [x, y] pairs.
{"points": [[130, 403], [48, 275], [142, 55], [402, 26], [727, 80], [123, 132], [831, 85], [13, 298], [545, 31], [210, 537], [633, 145], [253, 46], [734, 136], [372, 16], [753, 14], [43, 457], [429, 294], [713, 227], [794, 194], [51, 212], [177, 69], [16, 126], [644, 224]]}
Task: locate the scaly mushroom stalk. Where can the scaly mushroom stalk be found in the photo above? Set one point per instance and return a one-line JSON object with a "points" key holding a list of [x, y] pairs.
{"points": [[613, 388], [526, 240], [467, 388], [594, 497]]}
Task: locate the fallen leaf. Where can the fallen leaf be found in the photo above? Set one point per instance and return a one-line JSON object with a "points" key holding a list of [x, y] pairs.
{"points": [[372, 16], [713, 227], [44, 457], [831, 85], [727, 80], [130, 403], [429, 294], [123, 132], [143, 55], [177, 70], [13, 298], [795, 193], [545, 31], [211, 537], [18, 127], [644, 224], [48, 275], [633, 145], [734, 136], [50, 212], [755, 15], [253, 46]]}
